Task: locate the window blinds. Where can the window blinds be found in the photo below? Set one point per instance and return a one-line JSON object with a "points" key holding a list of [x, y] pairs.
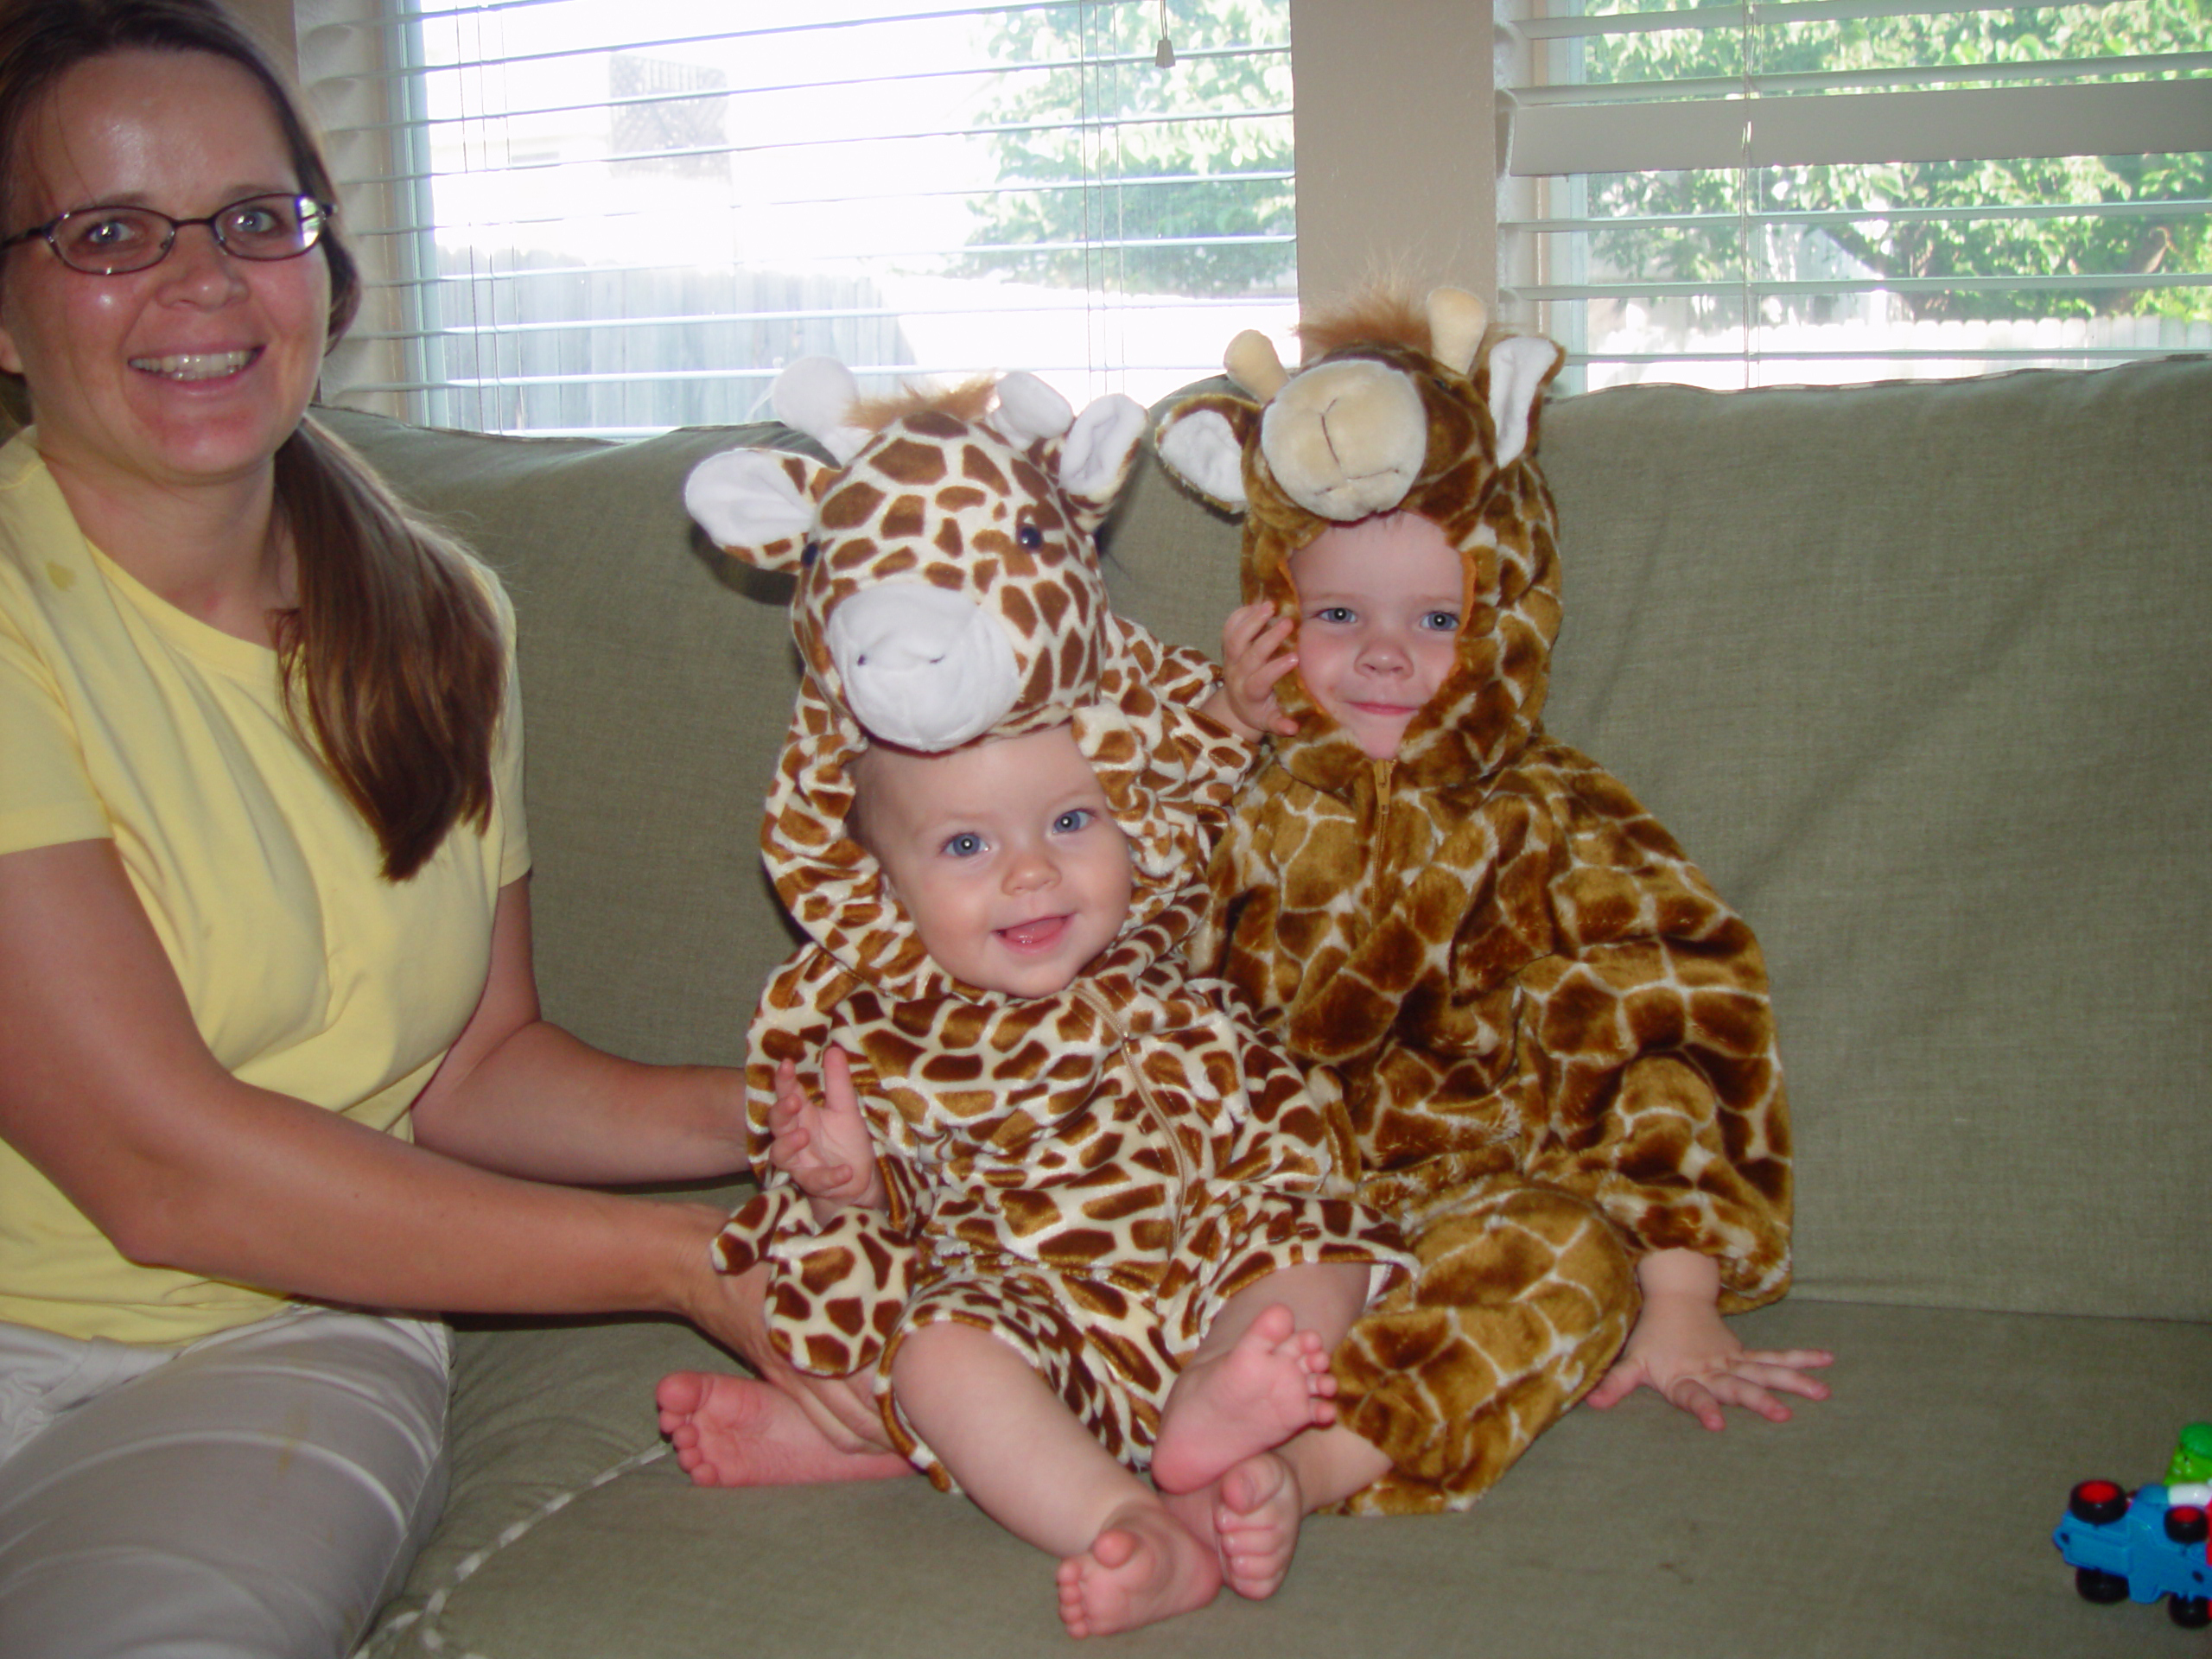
{"points": [[616, 216], [1835, 190]]}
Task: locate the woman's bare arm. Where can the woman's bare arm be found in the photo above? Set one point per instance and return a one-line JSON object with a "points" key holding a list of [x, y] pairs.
{"points": [[107, 1088], [516, 1094]]}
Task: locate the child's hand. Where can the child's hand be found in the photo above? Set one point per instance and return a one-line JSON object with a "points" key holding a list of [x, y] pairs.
{"points": [[1683, 1350], [825, 1148], [1254, 658]]}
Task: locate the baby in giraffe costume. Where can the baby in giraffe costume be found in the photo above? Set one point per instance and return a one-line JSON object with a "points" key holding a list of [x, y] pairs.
{"points": [[1552, 1038], [1027, 1171]]}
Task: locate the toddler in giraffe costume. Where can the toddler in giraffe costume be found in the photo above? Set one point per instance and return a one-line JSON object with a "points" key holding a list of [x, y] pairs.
{"points": [[1074, 1217], [1552, 1038]]}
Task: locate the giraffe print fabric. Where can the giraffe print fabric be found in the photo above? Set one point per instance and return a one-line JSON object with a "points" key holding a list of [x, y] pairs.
{"points": [[1551, 1039], [1086, 1175]]}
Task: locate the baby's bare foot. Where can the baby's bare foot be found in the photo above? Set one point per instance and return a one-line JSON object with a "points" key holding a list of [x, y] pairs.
{"points": [[1143, 1568], [1252, 1515], [1255, 1524], [732, 1431], [1273, 1383]]}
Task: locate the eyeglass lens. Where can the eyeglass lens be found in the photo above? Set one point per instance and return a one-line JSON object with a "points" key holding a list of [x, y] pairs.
{"points": [[112, 240]]}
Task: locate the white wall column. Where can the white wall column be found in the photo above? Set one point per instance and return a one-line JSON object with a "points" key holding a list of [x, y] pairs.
{"points": [[1397, 144]]}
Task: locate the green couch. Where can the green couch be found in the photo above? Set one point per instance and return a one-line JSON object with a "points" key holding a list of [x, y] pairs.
{"points": [[1920, 673]]}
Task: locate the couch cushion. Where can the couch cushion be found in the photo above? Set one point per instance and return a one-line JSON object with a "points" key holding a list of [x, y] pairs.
{"points": [[1911, 1514]]}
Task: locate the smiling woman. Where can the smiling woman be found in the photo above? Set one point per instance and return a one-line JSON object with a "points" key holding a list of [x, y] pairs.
{"points": [[187, 370], [270, 1050]]}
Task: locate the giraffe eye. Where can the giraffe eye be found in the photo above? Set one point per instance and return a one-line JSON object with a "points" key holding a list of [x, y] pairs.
{"points": [[1030, 536], [808, 553]]}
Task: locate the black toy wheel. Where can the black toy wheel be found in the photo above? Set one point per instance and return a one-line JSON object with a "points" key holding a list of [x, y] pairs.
{"points": [[2186, 1525], [2190, 1613], [2099, 1503], [2098, 1586]]}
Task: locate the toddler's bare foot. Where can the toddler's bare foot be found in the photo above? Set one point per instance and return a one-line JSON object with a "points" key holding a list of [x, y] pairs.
{"points": [[1271, 1385], [1143, 1568], [732, 1431]]}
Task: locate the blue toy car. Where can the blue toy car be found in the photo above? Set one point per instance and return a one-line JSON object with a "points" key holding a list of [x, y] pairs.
{"points": [[2149, 1545]]}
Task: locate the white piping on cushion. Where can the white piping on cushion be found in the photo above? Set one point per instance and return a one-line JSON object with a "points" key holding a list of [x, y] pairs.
{"points": [[424, 1623]]}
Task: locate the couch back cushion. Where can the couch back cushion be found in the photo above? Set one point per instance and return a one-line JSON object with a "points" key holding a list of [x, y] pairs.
{"points": [[1920, 673]]}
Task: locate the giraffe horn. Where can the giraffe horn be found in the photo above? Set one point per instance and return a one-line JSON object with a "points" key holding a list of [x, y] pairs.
{"points": [[1456, 321], [1252, 363]]}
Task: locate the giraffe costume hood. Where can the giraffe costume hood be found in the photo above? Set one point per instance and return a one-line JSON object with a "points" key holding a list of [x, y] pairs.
{"points": [[948, 590], [1381, 425], [1125, 1137], [1551, 1039]]}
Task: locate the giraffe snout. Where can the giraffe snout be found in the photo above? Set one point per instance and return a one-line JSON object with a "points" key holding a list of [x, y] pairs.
{"points": [[1346, 439], [922, 667]]}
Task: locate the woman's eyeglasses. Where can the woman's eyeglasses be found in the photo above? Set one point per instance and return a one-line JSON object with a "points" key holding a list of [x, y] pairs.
{"points": [[111, 241]]}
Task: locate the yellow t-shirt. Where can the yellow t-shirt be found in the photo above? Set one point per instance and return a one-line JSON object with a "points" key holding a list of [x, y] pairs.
{"points": [[121, 717]]}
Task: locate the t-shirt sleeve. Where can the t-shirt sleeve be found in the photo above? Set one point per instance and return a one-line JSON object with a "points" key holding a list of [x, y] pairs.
{"points": [[46, 795]]}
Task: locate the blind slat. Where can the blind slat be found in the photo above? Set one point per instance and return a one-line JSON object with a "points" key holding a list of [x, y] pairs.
{"points": [[2168, 208], [2138, 118], [925, 135], [1759, 288], [2063, 70], [1714, 20]]}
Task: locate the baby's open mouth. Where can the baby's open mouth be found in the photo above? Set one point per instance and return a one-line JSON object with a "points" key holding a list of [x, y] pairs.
{"points": [[1036, 934]]}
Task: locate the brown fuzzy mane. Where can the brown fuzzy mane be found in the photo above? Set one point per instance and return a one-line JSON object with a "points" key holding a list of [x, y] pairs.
{"points": [[1381, 311], [969, 401]]}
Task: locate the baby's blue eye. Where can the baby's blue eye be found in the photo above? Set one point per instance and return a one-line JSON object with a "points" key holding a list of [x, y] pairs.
{"points": [[1071, 820], [966, 844], [1442, 621], [1333, 613]]}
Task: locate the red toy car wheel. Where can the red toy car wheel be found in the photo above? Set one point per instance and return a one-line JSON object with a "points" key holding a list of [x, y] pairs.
{"points": [[2099, 1503], [2185, 1524]]}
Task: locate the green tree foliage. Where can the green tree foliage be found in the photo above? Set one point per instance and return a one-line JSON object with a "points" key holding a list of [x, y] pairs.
{"points": [[1960, 246], [1151, 181]]}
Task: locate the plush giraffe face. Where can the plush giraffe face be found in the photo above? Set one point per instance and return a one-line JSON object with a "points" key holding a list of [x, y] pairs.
{"points": [[1439, 425], [948, 582]]}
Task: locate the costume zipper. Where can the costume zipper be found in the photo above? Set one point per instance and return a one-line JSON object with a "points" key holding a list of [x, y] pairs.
{"points": [[1384, 770], [1162, 1123]]}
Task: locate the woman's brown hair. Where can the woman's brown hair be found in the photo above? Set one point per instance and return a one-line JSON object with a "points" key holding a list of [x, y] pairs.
{"points": [[391, 661]]}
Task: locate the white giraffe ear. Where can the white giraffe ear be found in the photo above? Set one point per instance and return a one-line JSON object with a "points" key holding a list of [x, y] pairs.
{"points": [[1029, 410], [1519, 368], [1100, 446], [1200, 443], [815, 394], [758, 505]]}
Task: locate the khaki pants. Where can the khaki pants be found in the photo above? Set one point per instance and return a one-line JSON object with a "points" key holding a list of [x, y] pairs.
{"points": [[258, 1493]]}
